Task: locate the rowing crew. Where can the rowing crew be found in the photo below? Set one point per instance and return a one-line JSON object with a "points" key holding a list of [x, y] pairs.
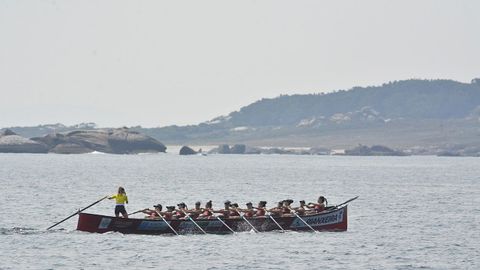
{"points": [[232, 210]]}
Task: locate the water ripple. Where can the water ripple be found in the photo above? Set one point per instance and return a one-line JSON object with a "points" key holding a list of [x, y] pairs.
{"points": [[413, 212]]}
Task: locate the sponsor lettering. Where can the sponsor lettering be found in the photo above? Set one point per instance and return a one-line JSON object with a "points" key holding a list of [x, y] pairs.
{"points": [[213, 224], [104, 223], [187, 225], [121, 223], [204, 224], [320, 220], [153, 226]]}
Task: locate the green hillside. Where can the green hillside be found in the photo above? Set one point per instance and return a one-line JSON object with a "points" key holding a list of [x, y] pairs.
{"points": [[402, 113], [413, 99]]}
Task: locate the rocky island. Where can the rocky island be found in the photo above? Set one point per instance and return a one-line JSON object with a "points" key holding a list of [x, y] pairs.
{"points": [[185, 151], [112, 141], [10, 142]]}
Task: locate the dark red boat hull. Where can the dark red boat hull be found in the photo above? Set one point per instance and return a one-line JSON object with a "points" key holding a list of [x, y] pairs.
{"points": [[335, 220]]}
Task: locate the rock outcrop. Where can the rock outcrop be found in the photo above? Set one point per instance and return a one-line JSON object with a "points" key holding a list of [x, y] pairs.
{"points": [[223, 149], [113, 141], [238, 149], [70, 148], [185, 150], [10, 142], [375, 150], [319, 151]]}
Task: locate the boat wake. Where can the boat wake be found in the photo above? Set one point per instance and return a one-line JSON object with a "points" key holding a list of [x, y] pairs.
{"points": [[29, 231], [18, 230], [97, 153]]}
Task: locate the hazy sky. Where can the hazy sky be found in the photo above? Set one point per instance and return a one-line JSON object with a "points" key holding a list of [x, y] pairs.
{"points": [[155, 63]]}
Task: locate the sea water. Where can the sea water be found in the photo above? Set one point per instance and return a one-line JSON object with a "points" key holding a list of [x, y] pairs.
{"points": [[418, 212]]}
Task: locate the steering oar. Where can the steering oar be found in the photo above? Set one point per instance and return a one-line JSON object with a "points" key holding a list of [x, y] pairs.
{"points": [[77, 212]]}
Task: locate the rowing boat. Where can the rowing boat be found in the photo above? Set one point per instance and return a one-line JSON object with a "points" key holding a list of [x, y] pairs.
{"points": [[334, 219]]}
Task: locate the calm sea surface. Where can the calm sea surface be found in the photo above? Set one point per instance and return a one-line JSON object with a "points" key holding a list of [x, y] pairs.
{"points": [[413, 212]]}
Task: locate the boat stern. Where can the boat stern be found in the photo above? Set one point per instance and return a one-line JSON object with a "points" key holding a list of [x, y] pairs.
{"points": [[329, 221]]}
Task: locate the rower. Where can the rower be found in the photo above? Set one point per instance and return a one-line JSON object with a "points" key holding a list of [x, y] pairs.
{"points": [[195, 212], [286, 206], [169, 214], [233, 212], [225, 212], [320, 205], [249, 212], [180, 213], [260, 212], [207, 211], [278, 210], [302, 208], [153, 213]]}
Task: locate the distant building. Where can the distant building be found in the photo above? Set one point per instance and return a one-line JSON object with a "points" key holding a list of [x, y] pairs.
{"points": [[337, 152]]}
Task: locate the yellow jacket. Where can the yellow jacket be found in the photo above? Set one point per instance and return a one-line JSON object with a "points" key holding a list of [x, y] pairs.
{"points": [[120, 199]]}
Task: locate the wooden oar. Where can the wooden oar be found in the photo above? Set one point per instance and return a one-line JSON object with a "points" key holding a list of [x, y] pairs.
{"points": [[225, 224], [308, 225], [171, 228], [276, 223], [352, 199], [191, 219], [77, 212], [244, 218], [136, 212]]}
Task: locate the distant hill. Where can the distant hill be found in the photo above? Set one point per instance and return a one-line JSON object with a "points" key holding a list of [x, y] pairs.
{"points": [[401, 113], [404, 114], [412, 99]]}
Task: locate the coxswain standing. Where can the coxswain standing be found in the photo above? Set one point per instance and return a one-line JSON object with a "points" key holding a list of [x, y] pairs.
{"points": [[120, 200]]}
